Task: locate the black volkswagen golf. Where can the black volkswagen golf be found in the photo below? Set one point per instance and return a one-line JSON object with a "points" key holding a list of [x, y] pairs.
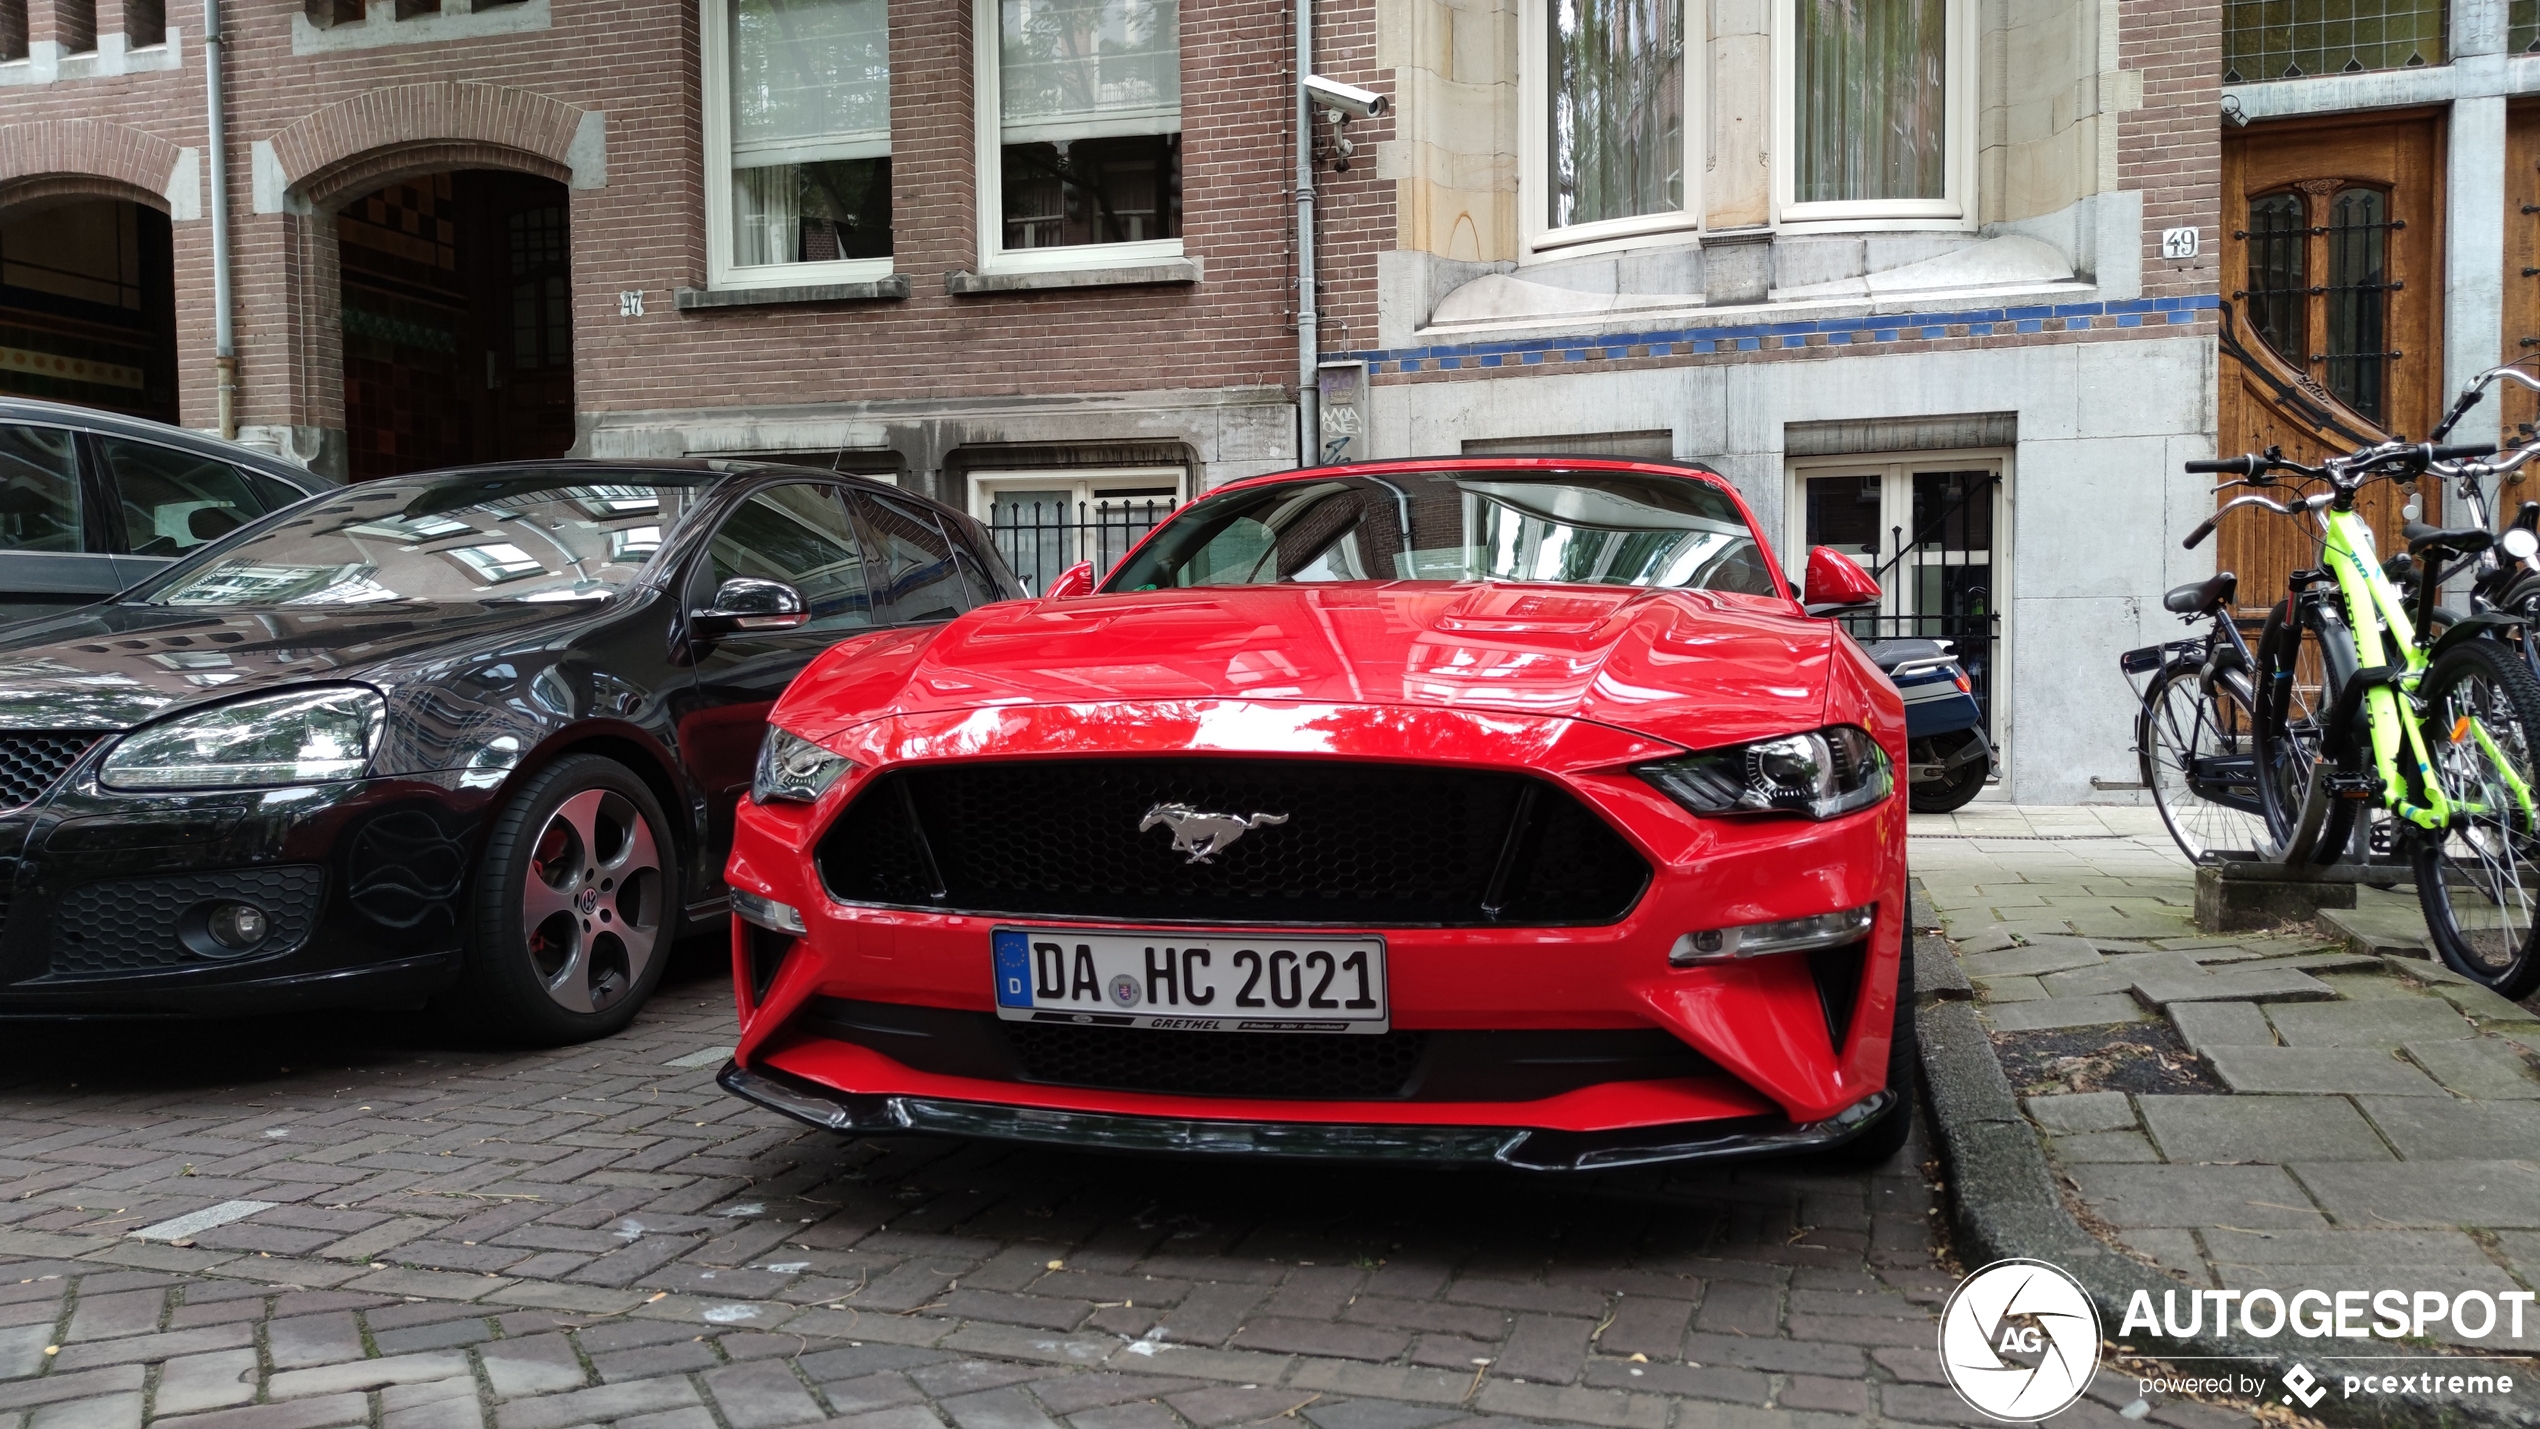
{"points": [[474, 734]]}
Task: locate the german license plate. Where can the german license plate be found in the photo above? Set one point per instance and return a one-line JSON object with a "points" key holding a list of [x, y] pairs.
{"points": [[1192, 982]]}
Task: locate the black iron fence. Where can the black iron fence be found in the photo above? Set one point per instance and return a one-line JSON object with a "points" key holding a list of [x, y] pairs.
{"points": [[1042, 539], [1973, 638]]}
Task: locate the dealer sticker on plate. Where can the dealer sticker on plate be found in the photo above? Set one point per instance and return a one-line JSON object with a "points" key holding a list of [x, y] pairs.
{"points": [[1192, 982]]}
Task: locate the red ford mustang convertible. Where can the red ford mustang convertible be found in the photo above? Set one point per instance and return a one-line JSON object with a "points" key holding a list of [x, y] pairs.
{"points": [[1457, 810]]}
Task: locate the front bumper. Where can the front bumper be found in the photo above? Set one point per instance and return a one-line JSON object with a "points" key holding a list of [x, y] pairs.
{"points": [[364, 883], [1520, 1148]]}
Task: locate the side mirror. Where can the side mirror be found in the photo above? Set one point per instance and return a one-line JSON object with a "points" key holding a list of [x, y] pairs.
{"points": [[1076, 580], [1836, 582], [745, 603]]}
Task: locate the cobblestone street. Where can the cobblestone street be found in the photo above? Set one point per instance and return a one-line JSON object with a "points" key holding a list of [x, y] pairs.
{"points": [[296, 1224]]}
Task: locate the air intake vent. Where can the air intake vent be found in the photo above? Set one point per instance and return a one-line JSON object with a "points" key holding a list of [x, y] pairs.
{"points": [[31, 764], [1305, 842]]}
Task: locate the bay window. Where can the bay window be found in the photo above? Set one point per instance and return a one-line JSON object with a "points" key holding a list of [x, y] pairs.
{"points": [[1607, 85], [1080, 131], [1874, 113], [798, 141]]}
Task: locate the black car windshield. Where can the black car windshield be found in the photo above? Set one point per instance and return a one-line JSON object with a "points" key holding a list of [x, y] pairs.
{"points": [[1570, 527], [440, 541]]}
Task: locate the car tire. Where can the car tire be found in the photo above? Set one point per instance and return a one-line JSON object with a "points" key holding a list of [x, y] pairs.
{"points": [[1877, 1146], [575, 908]]}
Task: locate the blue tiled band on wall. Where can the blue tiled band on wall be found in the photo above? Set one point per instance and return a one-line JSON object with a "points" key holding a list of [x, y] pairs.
{"points": [[1838, 332]]}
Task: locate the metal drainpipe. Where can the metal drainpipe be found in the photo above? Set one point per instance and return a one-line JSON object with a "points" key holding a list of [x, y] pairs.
{"points": [[1309, 432], [224, 335]]}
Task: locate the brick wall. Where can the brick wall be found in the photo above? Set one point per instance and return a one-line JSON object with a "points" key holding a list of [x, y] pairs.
{"points": [[2171, 148], [636, 61]]}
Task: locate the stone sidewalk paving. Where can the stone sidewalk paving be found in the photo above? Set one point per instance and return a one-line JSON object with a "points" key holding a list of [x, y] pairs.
{"points": [[2298, 1106]]}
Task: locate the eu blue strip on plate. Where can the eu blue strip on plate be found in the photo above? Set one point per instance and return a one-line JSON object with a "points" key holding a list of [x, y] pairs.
{"points": [[1014, 968]]}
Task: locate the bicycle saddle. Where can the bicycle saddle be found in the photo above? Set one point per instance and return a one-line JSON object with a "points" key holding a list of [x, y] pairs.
{"points": [[2468, 539], [2203, 596]]}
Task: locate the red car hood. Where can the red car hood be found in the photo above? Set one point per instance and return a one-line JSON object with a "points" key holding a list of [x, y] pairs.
{"points": [[1694, 668]]}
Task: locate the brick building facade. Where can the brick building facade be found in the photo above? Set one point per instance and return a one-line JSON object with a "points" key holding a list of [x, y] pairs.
{"points": [[1910, 271]]}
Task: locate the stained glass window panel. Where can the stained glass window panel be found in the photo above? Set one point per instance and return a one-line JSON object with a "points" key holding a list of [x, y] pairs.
{"points": [[2288, 39]]}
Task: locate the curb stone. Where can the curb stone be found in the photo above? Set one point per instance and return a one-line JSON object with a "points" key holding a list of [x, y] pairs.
{"points": [[2004, 1202]]}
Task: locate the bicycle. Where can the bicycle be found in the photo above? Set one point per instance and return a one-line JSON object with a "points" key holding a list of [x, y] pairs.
{"points": [[2195, 735], [2437, 731], [2507, 589]]}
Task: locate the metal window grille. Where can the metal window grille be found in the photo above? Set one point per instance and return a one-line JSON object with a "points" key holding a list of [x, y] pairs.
{"points": [[2287, 39], [1946, 569], [2357, 359], [1042, 539], [2279, 278]]}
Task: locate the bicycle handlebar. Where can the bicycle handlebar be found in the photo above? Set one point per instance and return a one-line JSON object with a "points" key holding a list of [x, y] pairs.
{"points": [[2463, 451], [2230, 466], [2205, 527]]}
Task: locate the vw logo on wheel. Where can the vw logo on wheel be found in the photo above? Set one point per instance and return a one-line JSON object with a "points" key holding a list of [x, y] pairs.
{"points": [[2019, 1340]]}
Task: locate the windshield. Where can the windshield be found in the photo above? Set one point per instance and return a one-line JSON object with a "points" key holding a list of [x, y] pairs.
{"points": [[1575, 528], [510, 539]]}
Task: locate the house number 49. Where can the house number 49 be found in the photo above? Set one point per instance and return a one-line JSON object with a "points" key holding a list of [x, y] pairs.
{"points": [[2178, 242]]}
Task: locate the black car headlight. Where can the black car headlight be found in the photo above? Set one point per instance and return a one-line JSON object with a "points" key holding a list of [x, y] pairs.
{"points": [[1822, 774], [792, 769], [319, 735]]}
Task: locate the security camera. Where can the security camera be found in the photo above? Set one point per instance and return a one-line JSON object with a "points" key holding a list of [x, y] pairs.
{"points": [[1346, 101]]}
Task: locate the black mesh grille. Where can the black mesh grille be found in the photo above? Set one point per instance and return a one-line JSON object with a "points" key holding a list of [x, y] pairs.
{"points": [[1362, 844], [1272, 1065], [33, 763], [135, 924]]}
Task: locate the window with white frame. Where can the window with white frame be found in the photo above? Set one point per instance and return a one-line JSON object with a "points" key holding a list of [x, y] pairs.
{"points": [[1080, 131], [1606, 88], [1045, 521], [798, 141], [1876, 110]]}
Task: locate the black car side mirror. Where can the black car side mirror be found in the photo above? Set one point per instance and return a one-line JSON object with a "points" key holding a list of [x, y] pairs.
{"points": [[745, 603]]}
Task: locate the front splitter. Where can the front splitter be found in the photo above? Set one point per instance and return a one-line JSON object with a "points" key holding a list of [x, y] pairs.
{"points": [[1521, 1148]]}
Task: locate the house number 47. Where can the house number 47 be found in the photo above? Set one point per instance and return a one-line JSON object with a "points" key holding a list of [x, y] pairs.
{"points": [[2178, 242]]}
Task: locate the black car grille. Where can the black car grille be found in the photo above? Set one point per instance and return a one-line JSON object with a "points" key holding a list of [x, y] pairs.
{"points": [[1273, 1065], [1362, 844], [33, 763], [1456, 1065], [126, 925]]}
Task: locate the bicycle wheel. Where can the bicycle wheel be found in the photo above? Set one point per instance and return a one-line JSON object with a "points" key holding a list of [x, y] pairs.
{"points": [[2479, 881], [2292, 697], [2199, 758]]}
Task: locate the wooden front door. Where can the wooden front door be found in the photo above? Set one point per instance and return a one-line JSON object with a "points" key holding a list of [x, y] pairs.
{"points": [[2332, 330], [2522, 288]]}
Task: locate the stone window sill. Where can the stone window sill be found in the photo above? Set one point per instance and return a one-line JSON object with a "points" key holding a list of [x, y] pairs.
{"points": [[46, 62], [1164, 272], [886, 289]]}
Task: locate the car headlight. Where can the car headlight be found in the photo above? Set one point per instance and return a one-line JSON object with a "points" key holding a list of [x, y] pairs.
{"points": [[793, 769], [1823, 773], [308, 736]]}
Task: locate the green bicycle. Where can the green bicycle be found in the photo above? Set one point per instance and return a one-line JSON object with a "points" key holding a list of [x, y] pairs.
{"points": [[2365, 704]]}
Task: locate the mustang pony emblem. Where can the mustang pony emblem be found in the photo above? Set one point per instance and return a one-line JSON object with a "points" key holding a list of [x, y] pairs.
{"points": [[1201, 834]]}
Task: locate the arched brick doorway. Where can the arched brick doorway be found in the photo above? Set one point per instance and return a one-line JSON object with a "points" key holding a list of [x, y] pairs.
{"points": [[88, 304], [457, 319]]}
